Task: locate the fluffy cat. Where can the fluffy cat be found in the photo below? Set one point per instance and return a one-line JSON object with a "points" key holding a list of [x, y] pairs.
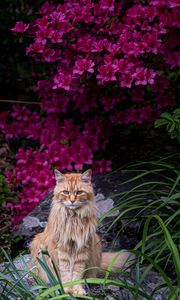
{"points": [[70, 235]]}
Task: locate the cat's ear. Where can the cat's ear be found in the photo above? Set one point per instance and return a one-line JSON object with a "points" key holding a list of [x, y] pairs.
{"points": [[58, 176], [86, 176]]}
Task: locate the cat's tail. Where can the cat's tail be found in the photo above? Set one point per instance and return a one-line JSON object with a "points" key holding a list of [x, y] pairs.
{"points": [[114, 261]]}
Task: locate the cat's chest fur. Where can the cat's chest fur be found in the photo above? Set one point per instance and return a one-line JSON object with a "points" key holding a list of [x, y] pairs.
{"points": [[72, 229]]}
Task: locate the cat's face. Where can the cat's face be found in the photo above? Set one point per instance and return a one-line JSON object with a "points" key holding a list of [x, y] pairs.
{"points": [[73, 190]]}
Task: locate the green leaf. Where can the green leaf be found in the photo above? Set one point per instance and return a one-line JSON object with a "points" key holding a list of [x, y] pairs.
{"points": [[64, 142], [167, 116], [160, 122]]}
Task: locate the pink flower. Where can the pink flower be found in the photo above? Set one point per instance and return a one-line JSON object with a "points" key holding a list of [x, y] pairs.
{"points": [[144, 76], [51, 55], [151, 42], [133, 48], [101, 166], [164, 101], [122, 65], [173, 3], [125, 80], [35, 48], [106, 73], [46, 8], [107, 4], [98, 45], [20, 27], [41, 36], [3, 117], [62, 81], [82, 65], [56, 37], [173, 59], [114, 49], [83, 44], [85, 156], [108, 103], [138, 95]]}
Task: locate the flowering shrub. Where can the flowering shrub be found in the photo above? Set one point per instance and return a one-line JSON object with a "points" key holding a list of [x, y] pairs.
{"points": [[108, 64], [60, 144]]}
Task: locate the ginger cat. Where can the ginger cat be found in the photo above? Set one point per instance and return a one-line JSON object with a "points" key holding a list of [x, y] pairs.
{"points": [[70, 235]]}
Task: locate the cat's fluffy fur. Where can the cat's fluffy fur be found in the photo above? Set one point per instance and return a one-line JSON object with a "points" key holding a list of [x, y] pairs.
{"points": [[70, 235]]}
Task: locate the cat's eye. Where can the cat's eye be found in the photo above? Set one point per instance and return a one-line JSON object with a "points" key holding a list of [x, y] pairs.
{"points": [[66, 192], [79, 192]]}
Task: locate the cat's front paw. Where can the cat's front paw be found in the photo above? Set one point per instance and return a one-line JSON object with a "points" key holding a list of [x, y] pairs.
{"points": [[78, 289]]}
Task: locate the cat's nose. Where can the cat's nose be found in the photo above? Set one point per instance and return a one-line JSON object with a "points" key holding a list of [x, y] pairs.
{"points": [[72, 201]]}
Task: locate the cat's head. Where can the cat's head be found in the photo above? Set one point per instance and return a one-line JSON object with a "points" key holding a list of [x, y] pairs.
{"points": [[73, 190]]}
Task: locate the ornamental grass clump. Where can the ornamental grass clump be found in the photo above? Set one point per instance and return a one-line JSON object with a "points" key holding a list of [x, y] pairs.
{"points": [[155, 193]]}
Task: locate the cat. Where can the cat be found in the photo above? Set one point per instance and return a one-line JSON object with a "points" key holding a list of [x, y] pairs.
{"points": [[70, 234]]}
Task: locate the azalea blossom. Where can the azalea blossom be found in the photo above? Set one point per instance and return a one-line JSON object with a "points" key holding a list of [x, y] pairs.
{"points": [[20, 27], [82, 65]]}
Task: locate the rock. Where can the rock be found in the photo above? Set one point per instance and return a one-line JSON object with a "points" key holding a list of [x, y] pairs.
{"points": [[35, 221], [99, 197], [31, 222], [111, 298], [113, 288], [104, 205]]}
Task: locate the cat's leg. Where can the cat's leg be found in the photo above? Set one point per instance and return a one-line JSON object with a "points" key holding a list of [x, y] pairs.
{"points": [[42, 243], [71, 268], [77, 265], [78, 272], [64, 265], [37, 245], [95, 256]]}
